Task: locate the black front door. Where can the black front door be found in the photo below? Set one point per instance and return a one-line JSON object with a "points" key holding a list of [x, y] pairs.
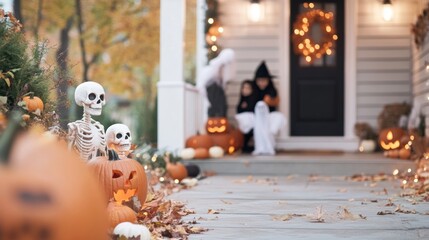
{"points": [[317, 82]]}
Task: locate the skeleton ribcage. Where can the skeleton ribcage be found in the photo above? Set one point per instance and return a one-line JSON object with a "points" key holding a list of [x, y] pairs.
{"points": [[90, 139]]}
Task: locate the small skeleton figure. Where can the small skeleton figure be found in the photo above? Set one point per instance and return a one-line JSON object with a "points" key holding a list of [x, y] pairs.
{"points": [[118, 138], [87, 135]]}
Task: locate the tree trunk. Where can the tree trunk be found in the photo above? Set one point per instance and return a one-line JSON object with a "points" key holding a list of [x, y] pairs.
{"points": [[17, 11], [63, 76], [85, 63], [39, 20]]}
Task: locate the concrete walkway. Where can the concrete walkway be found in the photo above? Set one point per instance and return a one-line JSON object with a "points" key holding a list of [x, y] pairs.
{"points": [[301, 207]]}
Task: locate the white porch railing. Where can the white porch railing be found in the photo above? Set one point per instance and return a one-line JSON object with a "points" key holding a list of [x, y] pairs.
{"points": [[193, 110]]}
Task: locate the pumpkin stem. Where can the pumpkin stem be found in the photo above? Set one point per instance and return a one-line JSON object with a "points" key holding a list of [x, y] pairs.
{"points": [[9, 135], [113, 155], [31, 94]]}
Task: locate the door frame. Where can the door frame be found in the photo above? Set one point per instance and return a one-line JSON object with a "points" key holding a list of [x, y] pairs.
{"points": [[350, 48]]}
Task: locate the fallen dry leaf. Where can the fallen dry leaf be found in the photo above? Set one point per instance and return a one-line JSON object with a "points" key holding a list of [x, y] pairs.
{"points": [[406, 211], [342, 190], [318, 216], [286, 217], [226, 202], [212, 211], [345, 214], [385, 212]]}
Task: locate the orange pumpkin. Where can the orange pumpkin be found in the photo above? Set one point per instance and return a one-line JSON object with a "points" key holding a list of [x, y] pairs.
{"points": [[238, 137], [230, 142], [3, 121], [199, 141], [201, 153], [217, 125], [393, 153], [120, 175], [48, 193], [390, 138], [177, 171], [405, 153], [33, 103], [118, 213]]}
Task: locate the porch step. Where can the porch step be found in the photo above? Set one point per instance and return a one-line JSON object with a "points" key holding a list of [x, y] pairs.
{"points": [[344, 164]]}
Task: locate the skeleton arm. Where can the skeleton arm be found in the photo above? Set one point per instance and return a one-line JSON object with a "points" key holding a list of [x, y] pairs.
{"points": [[73, 130]]}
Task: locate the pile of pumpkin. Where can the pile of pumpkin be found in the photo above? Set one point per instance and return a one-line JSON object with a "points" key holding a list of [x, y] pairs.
{"points": [[47, 191], [221, 138], [397, 143]]}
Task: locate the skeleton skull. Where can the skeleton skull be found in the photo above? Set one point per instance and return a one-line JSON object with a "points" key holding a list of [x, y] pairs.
{"points": [[119, 137], [92, 96]]}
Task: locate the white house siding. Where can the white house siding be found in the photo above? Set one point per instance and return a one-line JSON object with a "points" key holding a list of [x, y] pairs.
{"points": [[383, 57], [421, 75], [383, 51]]}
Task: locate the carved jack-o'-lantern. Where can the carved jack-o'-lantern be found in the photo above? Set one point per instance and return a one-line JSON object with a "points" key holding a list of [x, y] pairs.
{"points": [[217, 125], [120, 176], [390, 138], [48, 193]]}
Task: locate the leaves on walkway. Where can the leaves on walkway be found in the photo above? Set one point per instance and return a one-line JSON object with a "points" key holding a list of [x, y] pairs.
{"points": [[345, 214], [286, 217], [385, 212], [400, 209]]}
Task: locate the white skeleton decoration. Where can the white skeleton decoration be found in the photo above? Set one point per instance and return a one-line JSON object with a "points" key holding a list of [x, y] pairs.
{"points": [[118, 138], [87, 135]]}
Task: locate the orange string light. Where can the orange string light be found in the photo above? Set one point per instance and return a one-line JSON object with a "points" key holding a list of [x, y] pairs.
{"points": [[303, 44]]}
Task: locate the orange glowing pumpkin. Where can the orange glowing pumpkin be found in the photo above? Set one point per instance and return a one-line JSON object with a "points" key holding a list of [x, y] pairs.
{"points": [[390, 138], [120, 176], [217, 125]]}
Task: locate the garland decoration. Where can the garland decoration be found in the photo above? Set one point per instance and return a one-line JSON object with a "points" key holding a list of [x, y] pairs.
{"points": [[303, 43], [213, 29], [420, 28]]}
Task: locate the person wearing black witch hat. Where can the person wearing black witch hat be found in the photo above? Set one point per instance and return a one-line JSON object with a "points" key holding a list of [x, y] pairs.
{"points": [[265, 90]]}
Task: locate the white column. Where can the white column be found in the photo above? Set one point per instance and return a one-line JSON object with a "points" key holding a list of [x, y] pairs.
{"points": [[201, 57], [171, 87]]}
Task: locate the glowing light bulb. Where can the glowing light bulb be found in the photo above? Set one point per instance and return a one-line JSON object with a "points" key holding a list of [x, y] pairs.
{"points": [[176, 181], [255, 12], [220, 29], [328, 51], [328, 29], [387, 10], [335, 37], [308, 59], [409, 170], [311, 5], [395, 172], [210, 20], [214, 48], [213, 38]]}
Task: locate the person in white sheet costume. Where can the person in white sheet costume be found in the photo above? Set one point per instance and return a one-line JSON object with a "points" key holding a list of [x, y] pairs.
{"points": [[220, 70], [265, 121]]}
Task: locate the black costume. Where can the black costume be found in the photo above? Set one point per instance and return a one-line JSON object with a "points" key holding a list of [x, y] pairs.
{"points": [[250, 101], [262, 72]]}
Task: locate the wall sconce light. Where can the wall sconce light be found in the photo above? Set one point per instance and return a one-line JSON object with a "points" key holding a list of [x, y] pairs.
{"points": [[255, 11], [387, 10]]}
